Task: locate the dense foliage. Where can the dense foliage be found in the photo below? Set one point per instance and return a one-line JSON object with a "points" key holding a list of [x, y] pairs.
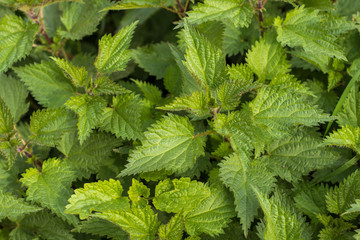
{"points": [[178, 119]]}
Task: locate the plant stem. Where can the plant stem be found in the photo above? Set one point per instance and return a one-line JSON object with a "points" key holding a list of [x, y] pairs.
{"points": [[42, 28], [341, 169]]}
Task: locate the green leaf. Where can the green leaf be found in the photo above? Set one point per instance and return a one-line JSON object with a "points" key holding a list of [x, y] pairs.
{"points": [[238, 12], [267, 59], [50, 187], [47, 83], [298, 154], [101, 227], [134, 4], [89, 109], [350, 112], [140, 223], [16, 39], [283, 222], [90, 156], [150, 92], [319, 4], [77, 75], [13, 207], [340, 198], [238, 128], [9, 149], [311, 199], [14, 93], [196, 104], [212, 215], [6, 119], [41, 225], [244, 178], [278, 108], [304, 27], [154, 59], [179, 195], [124, 118], [347, 136], [98, 196], [169, 144], [49, 125], [81, 19], [173, 230], [103, 85], [204, 61], [113, 51]]}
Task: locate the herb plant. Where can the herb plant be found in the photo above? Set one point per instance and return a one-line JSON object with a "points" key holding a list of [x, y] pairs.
{"points": [[178, 119]]}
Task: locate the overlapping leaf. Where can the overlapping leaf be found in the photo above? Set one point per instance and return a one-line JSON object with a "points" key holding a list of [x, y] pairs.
{"points": [[47, 83], [113, 51], [244, 178], [50, 187], [16, 39], [169, 144]]}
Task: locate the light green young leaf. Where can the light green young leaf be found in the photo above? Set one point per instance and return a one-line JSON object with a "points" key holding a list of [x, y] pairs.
{"points": [[244, 178], [13, 207], [47, 83], [89, 109], [304, 27], [123, 119], [179, 195], [103, 85], [154, 59], [212, 215], [241, 73], [48, 125], [41, 225], [6, 119], [238, 12], [89, 157], [278, 108], [16, 39], [51, 187], [140, 223], [78, 75], [150, 92], [196, 104], [340, 198], [14, 93], [138, 193], [81, 19], [283, 222], [169, 144], [113, 51], [173, 230], [101, 196], [267, 59], [355, 208], [347, 136], [204, 61]]}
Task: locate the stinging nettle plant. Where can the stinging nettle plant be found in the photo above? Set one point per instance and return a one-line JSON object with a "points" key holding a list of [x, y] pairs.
{"points": [[171, 120]]}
